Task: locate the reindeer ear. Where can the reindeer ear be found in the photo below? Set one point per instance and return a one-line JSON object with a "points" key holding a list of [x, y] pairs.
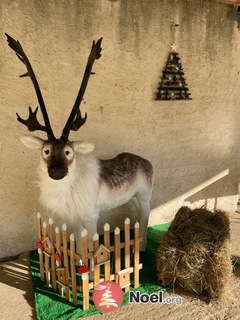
{"points": [[83, 147], [32, 142]]}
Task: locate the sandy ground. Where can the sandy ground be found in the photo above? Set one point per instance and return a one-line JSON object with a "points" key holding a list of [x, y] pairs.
{"points": [[17, 299]]}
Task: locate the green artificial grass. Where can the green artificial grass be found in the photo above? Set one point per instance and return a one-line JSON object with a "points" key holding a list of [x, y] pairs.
{"points": [[50, 305]]}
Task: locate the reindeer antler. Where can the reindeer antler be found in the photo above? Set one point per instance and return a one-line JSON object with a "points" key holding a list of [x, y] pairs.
{"points": [[31, 123], [75, 120]]}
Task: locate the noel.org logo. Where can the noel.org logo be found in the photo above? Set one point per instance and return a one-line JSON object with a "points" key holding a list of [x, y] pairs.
{"points": [[107, 296]]}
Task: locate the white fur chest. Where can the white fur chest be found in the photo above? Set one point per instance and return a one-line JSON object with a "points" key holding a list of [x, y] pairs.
{"points": [[75, 195]]}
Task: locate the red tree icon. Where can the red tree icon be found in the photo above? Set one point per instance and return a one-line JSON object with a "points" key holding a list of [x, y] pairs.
{"points": [[107, 296]]}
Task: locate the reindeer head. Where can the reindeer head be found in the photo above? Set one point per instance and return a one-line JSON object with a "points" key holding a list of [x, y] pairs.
{"points": [[57, 154]]}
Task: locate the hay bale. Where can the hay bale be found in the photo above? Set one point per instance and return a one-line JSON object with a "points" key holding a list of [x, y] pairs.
{"points": [[195, 253]]}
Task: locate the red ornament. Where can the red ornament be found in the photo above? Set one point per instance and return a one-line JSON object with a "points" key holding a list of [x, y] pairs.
{"points": [[57, 256], [39, 245], [83, 269], [132, 246]]}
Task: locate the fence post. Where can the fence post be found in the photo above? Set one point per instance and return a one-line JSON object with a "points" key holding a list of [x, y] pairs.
{"points": [[73, 269], [58, 245], [117, 252], [127, 246], [58, 248], [41, 266], [53, 265], [96, 268], [136, 255], [46, 254], [107, 265], [65, 259], [85, 282], [39, 226]]}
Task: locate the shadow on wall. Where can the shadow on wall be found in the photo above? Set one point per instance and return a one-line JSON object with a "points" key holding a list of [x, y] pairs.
{"points": [[218, 191], [213, 188]]}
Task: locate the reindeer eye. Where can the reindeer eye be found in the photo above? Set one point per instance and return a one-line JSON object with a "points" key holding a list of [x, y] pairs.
{"points": [[46, 152], [68, 153]]}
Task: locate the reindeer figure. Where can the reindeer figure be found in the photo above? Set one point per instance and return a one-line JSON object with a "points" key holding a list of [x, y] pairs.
{"points": [[74, 184]]}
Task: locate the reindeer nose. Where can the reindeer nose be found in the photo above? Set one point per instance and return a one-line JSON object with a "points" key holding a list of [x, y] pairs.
{"points": [[57, 170], [57, 174]]}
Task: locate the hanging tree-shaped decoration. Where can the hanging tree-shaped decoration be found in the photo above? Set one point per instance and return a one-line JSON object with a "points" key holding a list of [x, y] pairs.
{"points": [[173, 85]]}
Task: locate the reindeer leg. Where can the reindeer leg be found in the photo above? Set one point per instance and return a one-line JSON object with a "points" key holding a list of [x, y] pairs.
{"points": [[91, 227], [135, 202], [77, 229], [144, 215]]}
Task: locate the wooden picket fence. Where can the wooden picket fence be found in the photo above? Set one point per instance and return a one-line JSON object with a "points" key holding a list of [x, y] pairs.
{"points": [[58, 260]]}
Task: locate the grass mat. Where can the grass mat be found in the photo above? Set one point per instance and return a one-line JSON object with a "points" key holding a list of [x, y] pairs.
{"points": [[50, 305]]}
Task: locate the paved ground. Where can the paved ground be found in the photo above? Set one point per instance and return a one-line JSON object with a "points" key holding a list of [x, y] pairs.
{"points": [[17, 300]]}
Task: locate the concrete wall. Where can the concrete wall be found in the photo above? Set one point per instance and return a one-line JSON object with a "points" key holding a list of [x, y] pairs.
{"points": [[193, 145]]}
